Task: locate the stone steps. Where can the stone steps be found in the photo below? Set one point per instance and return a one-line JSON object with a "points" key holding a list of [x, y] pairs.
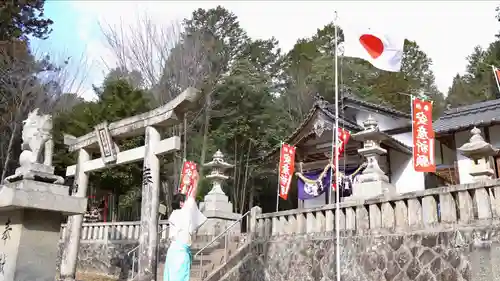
{"points": [[211, 261], [213, 257]]}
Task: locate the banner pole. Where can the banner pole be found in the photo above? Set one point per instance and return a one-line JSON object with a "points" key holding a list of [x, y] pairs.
{"points": [[278, 191], [178, 188]]}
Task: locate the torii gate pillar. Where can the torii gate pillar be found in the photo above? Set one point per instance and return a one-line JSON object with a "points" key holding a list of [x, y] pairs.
{"points": [[101, 139]]}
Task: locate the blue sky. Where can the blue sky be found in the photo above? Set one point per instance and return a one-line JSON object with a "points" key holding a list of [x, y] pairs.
{"points": [[67, 40], [446, 30]]}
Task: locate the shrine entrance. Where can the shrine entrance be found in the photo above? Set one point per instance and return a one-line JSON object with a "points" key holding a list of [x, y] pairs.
{"points": [[103, 139]]}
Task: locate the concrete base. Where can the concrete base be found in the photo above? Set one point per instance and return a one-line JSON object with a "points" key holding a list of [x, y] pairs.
{"points": [[29, 246], [40, 195], [36, 172], [31, 213], [217, 222], [216, 202], [219, 213], [365, 190]]}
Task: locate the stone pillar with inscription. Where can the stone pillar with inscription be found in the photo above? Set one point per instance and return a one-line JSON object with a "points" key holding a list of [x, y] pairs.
{"points": [[481, 153], [373, 181], [216, 206], [149, 207], [33, 202], [71, 240]]}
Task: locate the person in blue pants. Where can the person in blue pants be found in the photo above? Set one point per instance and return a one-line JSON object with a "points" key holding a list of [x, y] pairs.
{"points": [[183, 223]]}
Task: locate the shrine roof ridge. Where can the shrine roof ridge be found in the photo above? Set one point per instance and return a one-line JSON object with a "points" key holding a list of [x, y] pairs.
{"points": [[465, 117], [349, 97], [325, 107]]}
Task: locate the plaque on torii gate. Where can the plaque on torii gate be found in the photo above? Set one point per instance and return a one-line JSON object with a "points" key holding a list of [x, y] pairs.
{"points": [[102, 139], [106, 144]]}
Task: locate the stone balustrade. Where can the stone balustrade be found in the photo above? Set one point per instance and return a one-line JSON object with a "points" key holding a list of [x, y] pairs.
{"points": [[103, 232], [440, 207]]}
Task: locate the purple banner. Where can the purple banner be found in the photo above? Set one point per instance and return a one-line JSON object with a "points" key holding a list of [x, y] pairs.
{"points": [[311, 190]]}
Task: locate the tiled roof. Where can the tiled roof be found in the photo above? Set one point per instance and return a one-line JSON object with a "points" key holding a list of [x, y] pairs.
{"points": [[343, 122], [349, 97], [317, 106], [328, 110], [466, 117]]}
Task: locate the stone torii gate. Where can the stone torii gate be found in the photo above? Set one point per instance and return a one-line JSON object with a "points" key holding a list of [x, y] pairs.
{"points": [[102, 140]]}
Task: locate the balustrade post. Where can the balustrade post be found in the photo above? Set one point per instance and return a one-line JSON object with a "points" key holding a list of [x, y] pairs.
{"points": [[106, 234], [254, 212]]}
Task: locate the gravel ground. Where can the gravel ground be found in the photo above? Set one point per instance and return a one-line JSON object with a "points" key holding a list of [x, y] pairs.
{"points": [[93, 277]]}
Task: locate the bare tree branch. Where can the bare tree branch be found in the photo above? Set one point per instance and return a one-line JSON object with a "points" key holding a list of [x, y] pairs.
{"points": [[168, 60], [27, 83]]}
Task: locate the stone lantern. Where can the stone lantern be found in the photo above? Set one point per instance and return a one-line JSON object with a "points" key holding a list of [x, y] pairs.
{"points": [[373, 181], [216, 206], [216, 176], [480, 152]]}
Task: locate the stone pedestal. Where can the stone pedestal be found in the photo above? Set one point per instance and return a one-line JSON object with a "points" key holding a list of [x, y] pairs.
{"points": [[31, 213], [219, 212], [373, 181], [371, 189], [480, 152], [216, 206]]}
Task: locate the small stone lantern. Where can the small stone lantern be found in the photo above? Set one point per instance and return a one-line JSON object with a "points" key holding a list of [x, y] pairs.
{"points": [[216, 206], [480, 152], [373, 181], [217, 176]]}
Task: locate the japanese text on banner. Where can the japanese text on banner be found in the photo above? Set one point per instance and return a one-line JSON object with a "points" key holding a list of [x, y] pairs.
{"points": [[344, 136], [286, 168], [187, 177], [423, 136]]}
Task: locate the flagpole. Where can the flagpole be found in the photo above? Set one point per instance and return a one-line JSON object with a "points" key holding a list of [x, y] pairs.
{"points": [[178, 187], [496, 77], [278, 191], [337, 187]]}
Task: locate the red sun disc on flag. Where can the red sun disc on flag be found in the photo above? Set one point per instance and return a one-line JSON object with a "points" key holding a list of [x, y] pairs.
{"points": [[372, 44]]}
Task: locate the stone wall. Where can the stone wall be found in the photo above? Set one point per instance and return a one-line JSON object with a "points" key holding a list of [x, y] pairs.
{"points": [[444, 234], [109, 259], [469, 254]]}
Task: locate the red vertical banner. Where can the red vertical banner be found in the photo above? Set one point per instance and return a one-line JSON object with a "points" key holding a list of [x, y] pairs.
{"points": [[496, 74], [187, 177], [423, 136], [286, 168], [344, 136]]}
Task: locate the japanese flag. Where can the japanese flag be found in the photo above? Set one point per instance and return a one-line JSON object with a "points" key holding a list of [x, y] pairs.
{"points": [[383, 51]]}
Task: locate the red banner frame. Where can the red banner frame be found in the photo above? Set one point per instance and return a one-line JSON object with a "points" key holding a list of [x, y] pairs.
{"points": [[423, 136], [187, 177], [286, 169]]}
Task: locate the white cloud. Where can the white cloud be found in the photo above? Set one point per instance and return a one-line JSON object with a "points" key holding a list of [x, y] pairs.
{"points": [[446, 30]]}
